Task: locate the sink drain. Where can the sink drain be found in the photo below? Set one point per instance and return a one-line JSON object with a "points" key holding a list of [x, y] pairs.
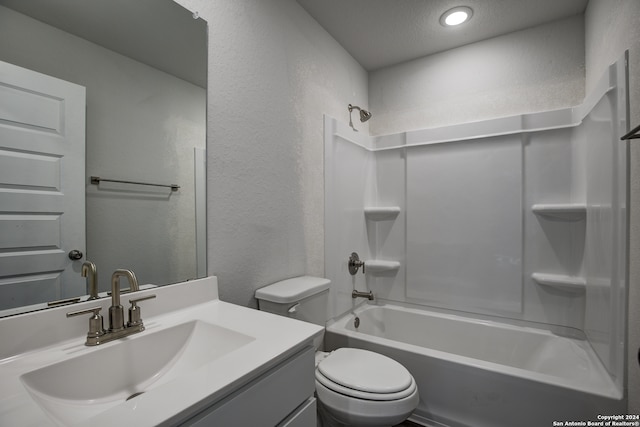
{"points": [[135, 395]]}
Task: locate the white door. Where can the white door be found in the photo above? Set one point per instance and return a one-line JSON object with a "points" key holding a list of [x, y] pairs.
{"points": [[42, 155]]}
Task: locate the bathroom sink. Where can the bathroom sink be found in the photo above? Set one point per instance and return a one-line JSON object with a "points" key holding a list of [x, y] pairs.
{"points": [[105, 376], [195, 353]]}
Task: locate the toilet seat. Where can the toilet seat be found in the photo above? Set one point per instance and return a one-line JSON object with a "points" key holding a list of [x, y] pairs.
{"points": [[363, 394], [366, 375]]}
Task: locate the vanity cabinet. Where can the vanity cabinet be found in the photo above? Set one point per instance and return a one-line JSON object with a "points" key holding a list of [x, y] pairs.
{"points": [[282, 397]]}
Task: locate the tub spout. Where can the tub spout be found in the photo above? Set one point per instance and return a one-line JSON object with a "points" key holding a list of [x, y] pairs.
{"points": [[358, 294]]}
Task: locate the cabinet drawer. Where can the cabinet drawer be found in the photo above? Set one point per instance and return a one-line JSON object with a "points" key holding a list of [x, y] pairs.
{"points": [[304, 416], [268, 399]]}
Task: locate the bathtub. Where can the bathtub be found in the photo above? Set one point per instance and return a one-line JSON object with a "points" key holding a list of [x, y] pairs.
{"points": [[484, 373]]}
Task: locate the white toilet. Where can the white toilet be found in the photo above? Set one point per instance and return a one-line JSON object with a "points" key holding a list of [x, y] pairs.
{"points": [[354, 387]]}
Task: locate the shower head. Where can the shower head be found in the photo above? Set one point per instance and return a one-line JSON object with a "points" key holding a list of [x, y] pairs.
{"points": [[364, 114]]}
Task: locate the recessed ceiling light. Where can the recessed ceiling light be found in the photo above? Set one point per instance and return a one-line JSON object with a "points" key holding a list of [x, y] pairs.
{"points": [[456, 16]]}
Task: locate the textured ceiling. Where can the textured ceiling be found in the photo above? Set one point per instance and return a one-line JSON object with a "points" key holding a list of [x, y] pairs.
{"points": [[159, 33], [379, 33]]}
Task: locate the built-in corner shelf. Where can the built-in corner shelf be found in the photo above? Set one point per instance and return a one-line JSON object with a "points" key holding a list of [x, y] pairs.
{"points": [[381, 213], [376, 266], [561, 282], [563, 211]]}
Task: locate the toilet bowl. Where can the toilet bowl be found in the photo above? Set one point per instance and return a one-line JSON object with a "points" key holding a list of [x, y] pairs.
{"points": [[362, 388], [354, 387]]}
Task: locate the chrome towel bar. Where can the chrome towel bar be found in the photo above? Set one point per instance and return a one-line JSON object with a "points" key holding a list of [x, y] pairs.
{"points": [[96, 180], [633, 133]]}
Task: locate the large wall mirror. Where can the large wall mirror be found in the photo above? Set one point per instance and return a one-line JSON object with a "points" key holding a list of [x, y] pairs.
{"points": [[142, 65]]}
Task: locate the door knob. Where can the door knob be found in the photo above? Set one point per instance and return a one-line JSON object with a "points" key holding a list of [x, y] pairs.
{"points": [[75, 255]]}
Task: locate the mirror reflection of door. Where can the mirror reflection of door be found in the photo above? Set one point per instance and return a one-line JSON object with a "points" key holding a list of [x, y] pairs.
{"points": [[42, 199], [143, 64]]}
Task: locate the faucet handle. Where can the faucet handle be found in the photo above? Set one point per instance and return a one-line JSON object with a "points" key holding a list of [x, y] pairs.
{"points": [[134, 301], [355, 263], [96, 328], [134, 312]]}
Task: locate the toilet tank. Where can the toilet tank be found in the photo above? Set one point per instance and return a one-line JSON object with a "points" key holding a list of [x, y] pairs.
{"points": [[304, 298]]}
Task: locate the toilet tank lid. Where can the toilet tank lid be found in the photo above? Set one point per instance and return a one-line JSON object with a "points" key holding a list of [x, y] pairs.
{"points": [[294, 289]]}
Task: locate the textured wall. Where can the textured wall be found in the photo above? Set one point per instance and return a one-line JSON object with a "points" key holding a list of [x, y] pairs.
{"points": [[273, 72], [611, 27], [537, 69]]}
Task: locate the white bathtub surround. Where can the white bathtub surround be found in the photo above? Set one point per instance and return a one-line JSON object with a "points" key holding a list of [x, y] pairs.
{"points": [[482, 373], [610, 28], [561, 281], [259, 342], [520, 217], [534, 169], [564, 211], [381, 213]]}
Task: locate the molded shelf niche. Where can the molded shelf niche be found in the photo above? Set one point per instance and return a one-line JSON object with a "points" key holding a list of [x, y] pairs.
{"points": [[562, 282], [564, 211], [381, 213], [375, 266]]}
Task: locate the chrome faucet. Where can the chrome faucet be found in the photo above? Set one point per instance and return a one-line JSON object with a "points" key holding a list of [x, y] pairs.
{"points": [[90, 271], [116, 311], [359, 294], [117, 329]]}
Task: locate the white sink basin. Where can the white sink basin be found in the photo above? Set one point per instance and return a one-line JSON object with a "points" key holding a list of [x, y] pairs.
{"points": [[196, 351], [81, 387]]}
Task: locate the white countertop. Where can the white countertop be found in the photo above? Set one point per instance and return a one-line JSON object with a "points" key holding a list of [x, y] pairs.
{"points": [[276, 338]]}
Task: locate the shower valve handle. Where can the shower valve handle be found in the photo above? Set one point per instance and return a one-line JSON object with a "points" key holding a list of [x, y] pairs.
{"points": [[355, 264]]}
